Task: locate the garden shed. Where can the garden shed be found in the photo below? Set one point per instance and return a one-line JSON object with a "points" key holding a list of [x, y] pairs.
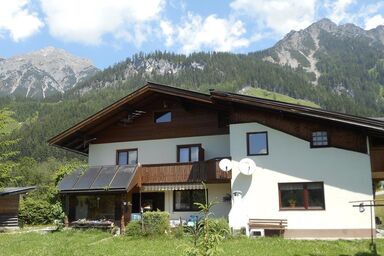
{"points": [[9, 205]]}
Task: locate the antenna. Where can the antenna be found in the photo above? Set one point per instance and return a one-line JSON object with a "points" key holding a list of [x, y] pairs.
{"points": [[225, 165], [247, 166]]}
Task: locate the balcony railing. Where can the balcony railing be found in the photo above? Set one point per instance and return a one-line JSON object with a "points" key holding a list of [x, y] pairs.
{"points": [[207, 171]]}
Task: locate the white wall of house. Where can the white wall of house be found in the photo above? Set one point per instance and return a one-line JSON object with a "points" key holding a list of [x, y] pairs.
{"points": [[346, 176], [158, 151]]}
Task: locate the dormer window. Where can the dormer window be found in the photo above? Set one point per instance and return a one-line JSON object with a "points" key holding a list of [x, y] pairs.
{"points": [[163, 117], [319, 139]]}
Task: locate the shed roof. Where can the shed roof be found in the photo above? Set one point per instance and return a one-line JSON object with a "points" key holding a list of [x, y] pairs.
{"points": [[15, 190]]}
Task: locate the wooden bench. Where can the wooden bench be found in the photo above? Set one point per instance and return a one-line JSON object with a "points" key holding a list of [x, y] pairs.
{"points": [[268, 224]]}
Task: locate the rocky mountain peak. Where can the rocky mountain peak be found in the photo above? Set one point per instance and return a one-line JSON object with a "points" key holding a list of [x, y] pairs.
{"points": [[43, 72], [323, 24], [302, 48]]}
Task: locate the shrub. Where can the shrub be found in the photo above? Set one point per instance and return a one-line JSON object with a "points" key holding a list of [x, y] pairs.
{"points": [[39, 212], [156, 223], [219, 226], [133, 228], [41, 207]]}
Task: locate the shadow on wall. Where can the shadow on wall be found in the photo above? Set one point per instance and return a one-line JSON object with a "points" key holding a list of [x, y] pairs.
{"points": [[243, 183]]}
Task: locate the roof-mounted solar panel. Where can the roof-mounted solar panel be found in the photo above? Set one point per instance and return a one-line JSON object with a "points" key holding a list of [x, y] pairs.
{"points": [[87, 179]]}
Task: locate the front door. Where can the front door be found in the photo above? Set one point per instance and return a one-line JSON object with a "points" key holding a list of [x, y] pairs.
{"points": [[150, 201]]}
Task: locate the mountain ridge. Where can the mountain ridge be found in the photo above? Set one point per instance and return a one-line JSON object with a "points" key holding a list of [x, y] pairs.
{"points": [[42, 73]]}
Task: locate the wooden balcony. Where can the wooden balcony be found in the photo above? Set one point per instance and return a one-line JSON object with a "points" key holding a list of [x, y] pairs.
{"points": [[207, 171]]}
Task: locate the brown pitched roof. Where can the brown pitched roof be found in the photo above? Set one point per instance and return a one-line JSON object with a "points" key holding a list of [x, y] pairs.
{"points": [[214, 99]]}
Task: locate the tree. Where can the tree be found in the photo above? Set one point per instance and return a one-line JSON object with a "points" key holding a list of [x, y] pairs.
{"points": [[6, 164]]}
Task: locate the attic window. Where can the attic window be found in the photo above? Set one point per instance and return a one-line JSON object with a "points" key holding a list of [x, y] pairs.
{"points": [[163, 117], [319, 139]]}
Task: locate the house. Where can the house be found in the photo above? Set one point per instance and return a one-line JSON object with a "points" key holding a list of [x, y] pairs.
{"points": [[9, 205], [154, 147]]}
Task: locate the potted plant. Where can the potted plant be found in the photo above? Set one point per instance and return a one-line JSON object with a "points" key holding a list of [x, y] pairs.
{"points": [[292, 202]]}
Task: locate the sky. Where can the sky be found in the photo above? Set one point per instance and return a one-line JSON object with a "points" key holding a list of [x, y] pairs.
{"points": [[109, 31]]}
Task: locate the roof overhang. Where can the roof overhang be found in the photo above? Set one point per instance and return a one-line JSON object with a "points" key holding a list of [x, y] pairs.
{"points": [[78, 137], [15, 190], [372, 124]]}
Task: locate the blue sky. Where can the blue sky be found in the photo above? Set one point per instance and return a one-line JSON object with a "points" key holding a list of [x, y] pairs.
{"points": [[108, 31]]}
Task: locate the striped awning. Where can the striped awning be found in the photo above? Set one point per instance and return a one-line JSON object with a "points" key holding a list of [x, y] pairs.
{"points": [[167, 187]]}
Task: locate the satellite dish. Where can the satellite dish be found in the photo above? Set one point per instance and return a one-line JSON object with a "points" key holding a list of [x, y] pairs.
{"points": [[247, 166], [225, 165]]}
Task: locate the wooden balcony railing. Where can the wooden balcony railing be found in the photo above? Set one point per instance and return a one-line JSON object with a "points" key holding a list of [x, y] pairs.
{"points": [[207, 171]]}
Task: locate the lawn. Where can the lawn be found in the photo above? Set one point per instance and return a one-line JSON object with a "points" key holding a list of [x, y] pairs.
{"points": [[98, 243]]}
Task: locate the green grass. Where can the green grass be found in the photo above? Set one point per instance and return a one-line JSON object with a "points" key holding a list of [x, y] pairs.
{"points": [[99, 243], [261, 93]]}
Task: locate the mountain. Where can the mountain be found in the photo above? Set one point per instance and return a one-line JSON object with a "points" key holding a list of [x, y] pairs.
{"points": [[345, 59], [42, 73]]}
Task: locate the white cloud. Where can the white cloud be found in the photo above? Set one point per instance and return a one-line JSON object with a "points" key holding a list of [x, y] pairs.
{"points": [[281, 16], [373, 22], [196, 33], [17, 19], [168, 32], [88, 21], [337, 10]]}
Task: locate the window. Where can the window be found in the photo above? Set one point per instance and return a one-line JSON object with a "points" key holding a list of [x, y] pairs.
{"points": [[190, 153], [319, 139], [183, 200], [257, 143], [126, 156], [309, 196], [163, 117]]}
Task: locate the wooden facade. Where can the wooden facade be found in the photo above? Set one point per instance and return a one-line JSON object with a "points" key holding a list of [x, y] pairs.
{"points": [[195, 172], [9, 210], [9, 205], [188, 119], [340, 136]]}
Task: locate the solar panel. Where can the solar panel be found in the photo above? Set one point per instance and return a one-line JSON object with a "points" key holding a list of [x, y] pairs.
{"points": [[123, 176], [69, 180], [87, 178], [104, 178]]}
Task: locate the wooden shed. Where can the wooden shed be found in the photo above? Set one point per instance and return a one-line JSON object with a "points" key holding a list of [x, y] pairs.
{"points": [[9, 205]]}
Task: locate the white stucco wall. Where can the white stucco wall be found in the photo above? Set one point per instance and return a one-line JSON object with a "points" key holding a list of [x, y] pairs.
{"points": [[158, 151], [346, 176]]}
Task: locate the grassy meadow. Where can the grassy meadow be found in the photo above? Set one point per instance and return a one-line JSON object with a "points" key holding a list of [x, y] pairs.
{"points": [[100, 243]]}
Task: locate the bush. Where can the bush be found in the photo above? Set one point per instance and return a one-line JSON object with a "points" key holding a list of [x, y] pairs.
{"points": [[219, 226], [39, 212], [156, 223], [133, 228], [41, 207]]}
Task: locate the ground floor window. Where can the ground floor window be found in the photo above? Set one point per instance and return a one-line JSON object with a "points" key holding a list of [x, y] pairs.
{"points": [[148, 201], [183, 200], [94, 207], [308, 196]]}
